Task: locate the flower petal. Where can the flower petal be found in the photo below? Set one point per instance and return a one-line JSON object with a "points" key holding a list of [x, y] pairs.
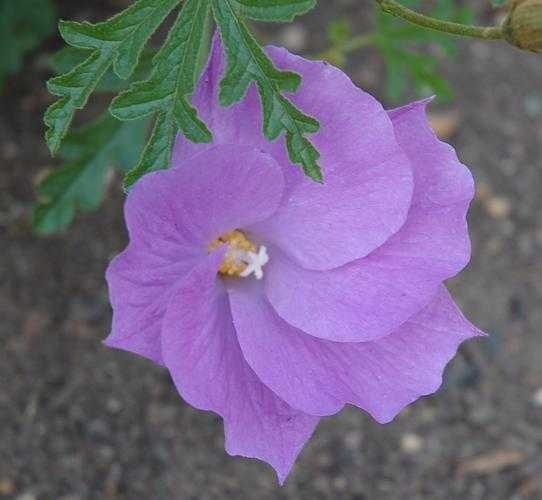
{"points": [[319, 376], [369, 298], [140, 285], [367, 178], [358, 302], [223, 188], [172, 216], [440, 178], [435, 236], [201, 351]]}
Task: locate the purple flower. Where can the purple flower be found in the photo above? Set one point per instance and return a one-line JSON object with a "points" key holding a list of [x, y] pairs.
{"points": [[350, 307]]}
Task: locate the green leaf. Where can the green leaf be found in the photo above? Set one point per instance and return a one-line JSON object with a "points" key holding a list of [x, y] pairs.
{"points": [[68, 58], [176, 68], [23, 25], [399, 44], [105, 54], [247, 62], [118, 42], [272, 10], [79, 184]]}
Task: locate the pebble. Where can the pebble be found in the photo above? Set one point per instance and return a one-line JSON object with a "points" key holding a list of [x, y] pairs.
{"points": [[411, 443], [498, 207], [113, 405], [7, 486], [537, 398], [295, 37], [340, 483], [445, 124], [353, 440], [533, 105], [324, 459]]}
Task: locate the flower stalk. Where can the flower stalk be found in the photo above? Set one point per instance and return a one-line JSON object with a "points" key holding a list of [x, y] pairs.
{"points": [[485, 32]]}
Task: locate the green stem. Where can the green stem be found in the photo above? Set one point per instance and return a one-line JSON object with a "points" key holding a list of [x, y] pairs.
{"points": [[396, 9]]}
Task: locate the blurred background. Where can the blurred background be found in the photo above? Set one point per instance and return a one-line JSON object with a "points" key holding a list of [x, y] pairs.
{"points": [[79, 421]]}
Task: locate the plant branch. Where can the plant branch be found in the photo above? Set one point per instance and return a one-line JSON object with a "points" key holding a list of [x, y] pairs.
{"points": [[396, 9]]}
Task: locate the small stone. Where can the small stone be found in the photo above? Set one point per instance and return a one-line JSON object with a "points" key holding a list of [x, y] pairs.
{"points": [[7, 486], [324, 459], [113, 405], [498, 207], [353, 440], [295, 37], [27, 496], [411, 443], [537, 398], [340, 483], [445, 124], [533, 105]]}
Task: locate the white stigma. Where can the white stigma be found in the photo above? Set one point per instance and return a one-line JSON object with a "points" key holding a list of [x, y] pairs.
{"points": [[255, 263]]}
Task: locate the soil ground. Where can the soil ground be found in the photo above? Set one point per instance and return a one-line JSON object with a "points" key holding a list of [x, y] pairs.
{"points": [[79, 421]]}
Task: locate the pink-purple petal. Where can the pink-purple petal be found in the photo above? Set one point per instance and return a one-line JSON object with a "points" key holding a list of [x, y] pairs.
{"points": [[358, 302], [140, 284], [367, 179], [439, 176], [369, 298], [323, 226], [318, 376], [223, 188], [202, 353]]}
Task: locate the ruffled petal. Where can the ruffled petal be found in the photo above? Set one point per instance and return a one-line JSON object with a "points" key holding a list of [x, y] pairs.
{"points": [[140, 285], [358, 302], [172, 217], [367, 178], [319, 376], [201, 351], [435, 236], [223, 188], [369, 298]]}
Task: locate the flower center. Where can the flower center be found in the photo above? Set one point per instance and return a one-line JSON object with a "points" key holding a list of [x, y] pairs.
{"points": [[242, 258]]}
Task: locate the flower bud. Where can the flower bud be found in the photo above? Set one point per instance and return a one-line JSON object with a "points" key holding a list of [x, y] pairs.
{"points": [[523, 25]]}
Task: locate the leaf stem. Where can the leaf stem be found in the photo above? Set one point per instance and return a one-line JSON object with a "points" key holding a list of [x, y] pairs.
{"points": [[485, 32]]}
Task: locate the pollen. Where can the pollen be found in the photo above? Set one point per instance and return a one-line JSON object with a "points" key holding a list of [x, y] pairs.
{"points": [[243, 258]]}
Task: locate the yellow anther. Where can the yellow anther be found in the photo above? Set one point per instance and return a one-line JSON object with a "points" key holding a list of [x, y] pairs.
{"points": [[238, 246]]}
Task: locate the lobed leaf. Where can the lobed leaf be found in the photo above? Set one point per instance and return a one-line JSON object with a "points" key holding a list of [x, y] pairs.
{"points": [[176, 68], [247, 62], [103, 55], [118, 42], [79, 184], [272, 10], [68, 58]]}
